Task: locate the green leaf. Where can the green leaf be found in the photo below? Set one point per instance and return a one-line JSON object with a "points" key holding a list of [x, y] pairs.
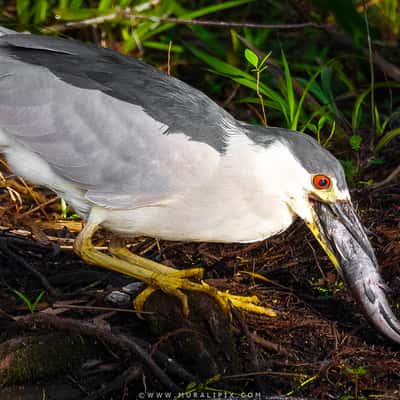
{"points": [[23, 298], [321, 122], [357, 110], [326, 79], [316, 89], [289, 92], [387, 137], [191, 386], [104, 5], [63, 208], [257, 37], [76, 14], [255, 100], [243, 78], [162, 46], [76, 4], [220, 66], [361, 371], [307, 88], [355, 142], [209, 40], [40, 11], [311, 127], [377, 161], [348, 167], [251, 57], [356, 371], [215, 8], [31, 306], [235, 40], [37, 300], [24, 11], [378, 125], [333, 130], [347, 17], [213, 379]]}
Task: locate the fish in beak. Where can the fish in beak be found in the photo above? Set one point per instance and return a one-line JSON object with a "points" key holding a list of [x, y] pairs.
{"points": [[340, 233]]}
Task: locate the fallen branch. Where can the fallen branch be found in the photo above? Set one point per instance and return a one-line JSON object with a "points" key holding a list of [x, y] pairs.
{"points": [[5, 248], [131, 374], [391, 177], [128, 14], [253, 352], [85, 328]]}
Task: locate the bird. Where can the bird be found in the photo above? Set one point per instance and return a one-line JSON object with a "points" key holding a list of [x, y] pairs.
{"points": [[139, 152]]}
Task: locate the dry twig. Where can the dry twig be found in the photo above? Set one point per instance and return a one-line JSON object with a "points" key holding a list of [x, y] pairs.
{"points": [[391, 177], [88, 329], [128, 14]]}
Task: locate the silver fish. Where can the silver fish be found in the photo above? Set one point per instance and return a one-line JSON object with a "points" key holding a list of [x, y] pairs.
{"points": [[344, 234]]}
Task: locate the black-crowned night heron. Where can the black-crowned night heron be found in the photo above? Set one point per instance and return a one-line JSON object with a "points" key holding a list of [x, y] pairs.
{"points": [[141, 153]]}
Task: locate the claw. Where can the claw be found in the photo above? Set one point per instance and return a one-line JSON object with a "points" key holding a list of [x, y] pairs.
{"points": [[140, 300], [248, 303], [158, 276], [174, 286]]}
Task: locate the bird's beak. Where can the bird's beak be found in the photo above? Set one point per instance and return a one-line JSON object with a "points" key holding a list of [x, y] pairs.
{"points": [[342, 236]]}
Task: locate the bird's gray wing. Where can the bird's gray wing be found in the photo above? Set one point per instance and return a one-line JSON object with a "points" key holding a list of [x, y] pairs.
{"points": [[114, 149], [166, 99]]}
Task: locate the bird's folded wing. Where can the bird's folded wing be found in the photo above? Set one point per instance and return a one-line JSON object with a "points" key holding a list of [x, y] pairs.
{"points": [[116, 151]]}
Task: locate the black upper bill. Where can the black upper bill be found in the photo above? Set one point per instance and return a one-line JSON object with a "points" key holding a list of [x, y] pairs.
{"points": [[342, 233]]}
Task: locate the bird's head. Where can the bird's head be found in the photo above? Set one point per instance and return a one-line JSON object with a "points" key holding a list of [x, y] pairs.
{"points": [[311, 181]]}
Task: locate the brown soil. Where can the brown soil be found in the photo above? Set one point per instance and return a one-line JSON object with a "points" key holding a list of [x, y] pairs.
{"points": [[79, 346]]}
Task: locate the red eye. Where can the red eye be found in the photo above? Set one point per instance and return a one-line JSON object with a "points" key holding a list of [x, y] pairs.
{"points": [[321, 182]]}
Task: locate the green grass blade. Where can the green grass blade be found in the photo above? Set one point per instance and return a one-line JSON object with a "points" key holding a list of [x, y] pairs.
{"points": [[104, 5], [215, 8], [386, 138], [357, 110], [255, 100], [162, 46], [218, 65], [24, 299], [243, 78], [315, 89], [326, 79], [310, 83], [209, 40], [378, 124], [289, 89], [37, 300]]}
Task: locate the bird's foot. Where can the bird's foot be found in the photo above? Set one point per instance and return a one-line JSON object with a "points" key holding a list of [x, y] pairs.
{"points": [[173, 285], [117, 249], [159, 276], [247, 303]]}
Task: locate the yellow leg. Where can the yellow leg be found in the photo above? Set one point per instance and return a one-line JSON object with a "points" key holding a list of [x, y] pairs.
{"points": [[142, 270], [117, 248]]}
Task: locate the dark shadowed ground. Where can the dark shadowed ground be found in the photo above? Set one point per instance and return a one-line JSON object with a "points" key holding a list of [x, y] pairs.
{"points": [[79, 345]]}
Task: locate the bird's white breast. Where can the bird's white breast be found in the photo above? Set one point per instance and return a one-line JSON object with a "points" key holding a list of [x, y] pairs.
{"points": [[237, 203]]}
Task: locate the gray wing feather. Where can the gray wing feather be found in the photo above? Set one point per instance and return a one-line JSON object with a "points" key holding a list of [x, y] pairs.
{"points": [[166, 99], [5, 31], [120, 155]]}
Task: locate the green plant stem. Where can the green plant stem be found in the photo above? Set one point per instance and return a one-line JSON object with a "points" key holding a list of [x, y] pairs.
{"points": [[264, 115], [372, 82]]}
